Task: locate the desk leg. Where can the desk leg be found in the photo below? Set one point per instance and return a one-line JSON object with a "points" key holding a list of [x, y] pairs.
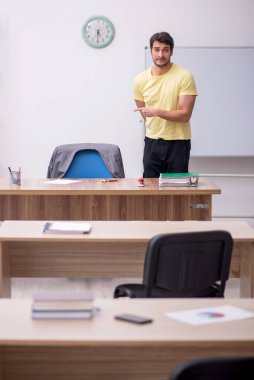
{"points": [[1, 363], [246, 270], [5, 280]]}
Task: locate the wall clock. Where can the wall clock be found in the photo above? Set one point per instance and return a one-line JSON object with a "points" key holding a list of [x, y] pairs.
{"points": [[98, 31]]}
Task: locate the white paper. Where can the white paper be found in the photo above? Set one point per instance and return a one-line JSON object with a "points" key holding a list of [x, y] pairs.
{"points": [[174, 182], [210, 315], [66, 226], [62, 181]]}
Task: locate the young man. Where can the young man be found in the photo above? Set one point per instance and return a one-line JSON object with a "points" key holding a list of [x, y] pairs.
{"points": [[165, 96]]}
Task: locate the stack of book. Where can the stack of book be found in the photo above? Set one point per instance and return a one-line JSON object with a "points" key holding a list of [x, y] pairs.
{"points": [[62, 306], [178, 179]]}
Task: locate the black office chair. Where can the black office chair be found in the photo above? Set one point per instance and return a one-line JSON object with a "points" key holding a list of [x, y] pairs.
{"points": [[191, 264], [227, 368], [88, 160]]}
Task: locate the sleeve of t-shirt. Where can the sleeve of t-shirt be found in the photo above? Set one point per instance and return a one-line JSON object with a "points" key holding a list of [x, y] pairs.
{"points": [[137, 86], [188, 86]]}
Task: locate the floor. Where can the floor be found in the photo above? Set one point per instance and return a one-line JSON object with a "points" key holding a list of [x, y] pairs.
{"points": [[100, 288]]}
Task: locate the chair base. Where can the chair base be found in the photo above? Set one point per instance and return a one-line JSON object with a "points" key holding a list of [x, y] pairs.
{"points": [[140, 291]]}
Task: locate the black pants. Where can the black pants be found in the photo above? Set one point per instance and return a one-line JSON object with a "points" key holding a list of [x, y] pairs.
{"points": [[165, 156]]}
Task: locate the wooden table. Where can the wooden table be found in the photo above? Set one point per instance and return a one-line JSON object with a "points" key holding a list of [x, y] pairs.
{"points": [[93, 199], [111, 249], [106, 349]]}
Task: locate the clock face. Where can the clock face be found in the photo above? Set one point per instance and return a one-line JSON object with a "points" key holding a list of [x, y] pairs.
{"points": [[98, 31]]}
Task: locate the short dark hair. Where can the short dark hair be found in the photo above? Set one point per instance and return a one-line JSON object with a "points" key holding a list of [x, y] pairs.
{"points": [[162, 37]]}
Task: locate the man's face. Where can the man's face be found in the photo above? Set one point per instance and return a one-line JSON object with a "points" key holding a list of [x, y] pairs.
{"points": [[161, 54]]}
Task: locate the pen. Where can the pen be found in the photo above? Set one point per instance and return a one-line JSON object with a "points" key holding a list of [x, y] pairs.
{"points": [[109, 180], [11, 173]]}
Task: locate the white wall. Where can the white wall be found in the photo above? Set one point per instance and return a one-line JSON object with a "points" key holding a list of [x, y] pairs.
{"points": [[237, 198], [54, 89]]}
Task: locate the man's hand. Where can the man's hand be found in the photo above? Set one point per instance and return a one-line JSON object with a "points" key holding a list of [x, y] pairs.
{"points": [[182, 114], [147, 111]]}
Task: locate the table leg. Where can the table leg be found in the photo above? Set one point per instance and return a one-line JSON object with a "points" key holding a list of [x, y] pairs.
{"points": [[5, 280]]}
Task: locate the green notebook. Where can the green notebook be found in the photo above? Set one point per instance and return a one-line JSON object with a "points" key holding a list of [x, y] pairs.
{"points": [[179, 175], [179, 179]]}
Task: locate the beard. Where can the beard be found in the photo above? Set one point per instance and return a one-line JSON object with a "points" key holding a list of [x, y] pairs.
{"points": [[161, 62]]}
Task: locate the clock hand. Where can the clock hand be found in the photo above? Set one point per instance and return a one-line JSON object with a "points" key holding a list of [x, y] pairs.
{"points": [[98, 34]]}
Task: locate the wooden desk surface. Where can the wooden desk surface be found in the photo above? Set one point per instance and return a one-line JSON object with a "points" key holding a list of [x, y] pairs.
{"points": [[17, 328], [116, 231], [123, 186], [104, 348]]}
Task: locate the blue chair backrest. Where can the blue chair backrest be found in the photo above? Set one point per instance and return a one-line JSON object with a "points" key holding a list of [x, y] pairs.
{"points": [[87, 164]]}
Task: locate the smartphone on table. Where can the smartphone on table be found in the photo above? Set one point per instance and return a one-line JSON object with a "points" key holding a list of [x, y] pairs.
{"points": [[133, 318]]}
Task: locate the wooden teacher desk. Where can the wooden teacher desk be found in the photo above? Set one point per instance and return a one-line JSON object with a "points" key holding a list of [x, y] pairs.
{"points": [[111, 249], [106, 349], [93, 199]]}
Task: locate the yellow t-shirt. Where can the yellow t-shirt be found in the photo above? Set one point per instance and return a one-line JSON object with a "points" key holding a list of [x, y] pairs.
{"points": [[162, 92]]}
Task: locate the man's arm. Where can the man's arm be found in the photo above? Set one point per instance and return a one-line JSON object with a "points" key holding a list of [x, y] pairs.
{"points": [[140, 105], [182, 114]]}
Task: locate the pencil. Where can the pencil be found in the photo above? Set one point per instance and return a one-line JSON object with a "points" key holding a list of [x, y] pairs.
{"points": [[109, 180]]}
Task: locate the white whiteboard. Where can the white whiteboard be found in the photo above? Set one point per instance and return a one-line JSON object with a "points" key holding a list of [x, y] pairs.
{"points": [[223, 119]]}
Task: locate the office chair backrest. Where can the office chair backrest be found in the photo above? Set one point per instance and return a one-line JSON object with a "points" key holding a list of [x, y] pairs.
{"points": [[101, 161], [227, 368], [188, 264], [87, 164]]}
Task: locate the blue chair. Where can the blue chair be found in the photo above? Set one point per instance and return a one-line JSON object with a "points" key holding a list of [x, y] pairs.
{"points": [[86, 160], [87, 164]]}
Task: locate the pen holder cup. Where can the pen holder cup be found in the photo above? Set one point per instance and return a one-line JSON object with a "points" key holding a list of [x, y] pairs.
{"points": [[15, 178]]}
